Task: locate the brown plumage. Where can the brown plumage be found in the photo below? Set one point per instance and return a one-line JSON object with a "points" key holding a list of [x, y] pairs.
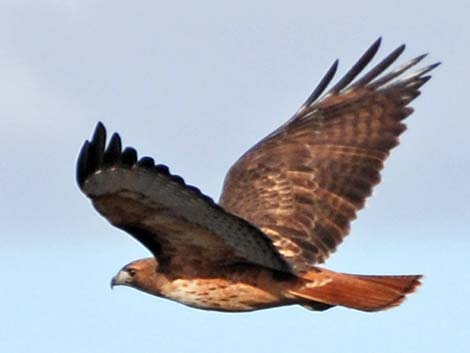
{"points": [[285, 206]]}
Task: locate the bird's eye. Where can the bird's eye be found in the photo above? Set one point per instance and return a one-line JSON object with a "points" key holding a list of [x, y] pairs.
{"points": [[131, 272]]}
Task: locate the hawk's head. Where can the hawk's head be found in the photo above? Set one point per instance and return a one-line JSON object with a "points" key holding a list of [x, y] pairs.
{"points": [[140, 274]]}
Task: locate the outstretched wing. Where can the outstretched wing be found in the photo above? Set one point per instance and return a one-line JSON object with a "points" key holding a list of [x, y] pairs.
{"points": [[182, 227], [303, 184]]}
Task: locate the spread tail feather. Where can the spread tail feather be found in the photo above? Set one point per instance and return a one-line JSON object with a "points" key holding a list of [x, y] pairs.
{"points": [[366, 293]]}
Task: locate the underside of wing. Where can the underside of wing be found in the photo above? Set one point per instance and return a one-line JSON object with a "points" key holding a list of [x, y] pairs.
{"points": [[303, 184], [176, 222]]}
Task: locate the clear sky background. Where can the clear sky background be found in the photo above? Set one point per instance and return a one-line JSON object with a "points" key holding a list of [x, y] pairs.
{"points": [[195, 84]]}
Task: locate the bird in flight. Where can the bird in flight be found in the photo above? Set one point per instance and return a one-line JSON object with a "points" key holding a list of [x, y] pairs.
{"points": [[285, 206]]}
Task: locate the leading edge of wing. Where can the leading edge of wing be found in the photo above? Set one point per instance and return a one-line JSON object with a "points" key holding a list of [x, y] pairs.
{"points": [[109, 170]]}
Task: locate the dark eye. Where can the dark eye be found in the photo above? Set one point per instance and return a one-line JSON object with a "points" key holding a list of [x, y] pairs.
{"points": [[131, 272]]}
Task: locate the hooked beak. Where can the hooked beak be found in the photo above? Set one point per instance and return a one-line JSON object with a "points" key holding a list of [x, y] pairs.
{"points": [[121, 279]]}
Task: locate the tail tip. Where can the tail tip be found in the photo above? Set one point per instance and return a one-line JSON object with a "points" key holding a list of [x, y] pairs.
{"points": [[415, 283]]}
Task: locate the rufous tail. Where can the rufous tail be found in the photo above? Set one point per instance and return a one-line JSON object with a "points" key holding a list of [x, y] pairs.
{"points": [[366, 293]]}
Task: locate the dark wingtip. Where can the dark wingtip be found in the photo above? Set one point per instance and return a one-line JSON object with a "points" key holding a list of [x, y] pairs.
{"points": [[91, 154], [433, 66], [99, 135], [325, 81], [401, 48], [113, 151], [384, 80], [146, 162], [82, 164], [380, 67], [99, 127], [94, 156], [363, 61], [97, 145], [129, 156], [334, 66], [161, 168], [377, 42], [426, 69], [421, 57]]}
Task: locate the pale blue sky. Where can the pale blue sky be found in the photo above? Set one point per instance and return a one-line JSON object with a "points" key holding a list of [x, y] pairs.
{"points": [[194, 84]]}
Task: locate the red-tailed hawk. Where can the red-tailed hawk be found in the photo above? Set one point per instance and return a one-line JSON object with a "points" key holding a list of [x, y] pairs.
{"points": [[286, 204]]}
